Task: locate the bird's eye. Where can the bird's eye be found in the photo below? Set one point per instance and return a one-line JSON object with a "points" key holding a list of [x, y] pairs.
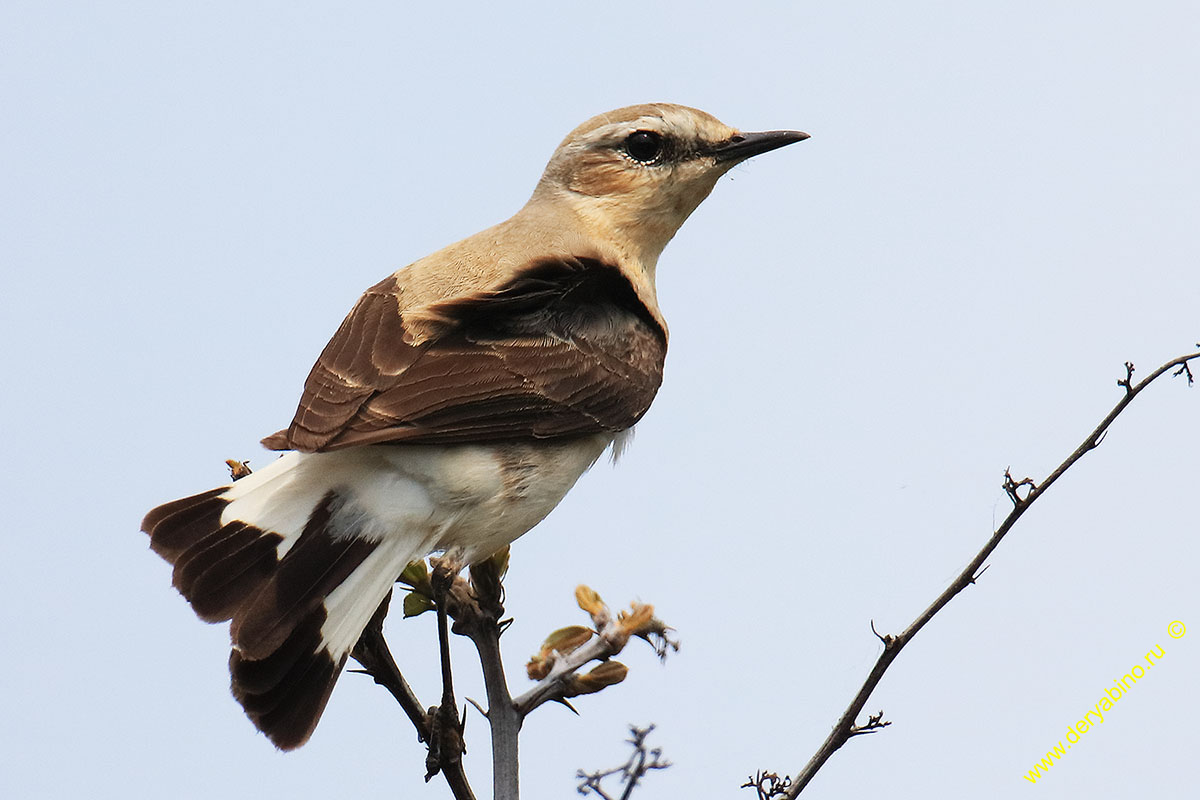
{"points": [[644, 146]]}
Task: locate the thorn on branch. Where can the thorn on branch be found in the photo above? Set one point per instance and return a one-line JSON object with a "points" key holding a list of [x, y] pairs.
{"points": [[886, 638], [875, 722], [979, 574], [478, 708], [1013, 488], [768, 785], [567, 703], [1128, 381]]}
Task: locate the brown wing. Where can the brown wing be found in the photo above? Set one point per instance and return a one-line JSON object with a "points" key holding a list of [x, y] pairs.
{"points": [[564, 349]]}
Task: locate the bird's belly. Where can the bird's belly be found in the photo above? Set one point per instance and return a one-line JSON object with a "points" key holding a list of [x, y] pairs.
{"points": [[476, 498], [488, 495]]}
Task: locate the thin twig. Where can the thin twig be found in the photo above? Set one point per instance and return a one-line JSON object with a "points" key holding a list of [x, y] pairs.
{"points": [[641, 761], [767, 785], [845, 727], [373, 654], [446, 746]]}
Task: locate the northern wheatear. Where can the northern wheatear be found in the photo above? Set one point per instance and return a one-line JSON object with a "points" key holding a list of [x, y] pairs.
{"points": [[453, 409]]}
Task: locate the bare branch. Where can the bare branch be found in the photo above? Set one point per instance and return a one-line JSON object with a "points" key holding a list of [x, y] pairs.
{"points": [[1013, 489], [1127, 381], [875, 722], [1184, 369], [892, 645], [641, 761], [767, 784], [373, 654]]}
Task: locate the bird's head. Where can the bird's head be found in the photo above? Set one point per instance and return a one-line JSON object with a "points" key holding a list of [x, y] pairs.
{"points": [[635, 174]]}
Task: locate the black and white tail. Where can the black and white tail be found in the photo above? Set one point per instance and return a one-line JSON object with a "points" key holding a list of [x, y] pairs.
{"points": [[284, 555]]}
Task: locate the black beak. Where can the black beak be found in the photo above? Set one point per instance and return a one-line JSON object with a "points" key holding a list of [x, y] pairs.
{"points": [[741, 146]]}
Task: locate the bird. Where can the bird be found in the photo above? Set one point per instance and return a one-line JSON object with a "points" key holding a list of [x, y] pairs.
{"points": [[456, 405]]}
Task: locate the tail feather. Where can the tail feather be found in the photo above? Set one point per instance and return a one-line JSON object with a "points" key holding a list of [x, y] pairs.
{"points": [[176, 526], [288, 712], [258, 677], [316, 565], [297, 577], [224, 569], [285, 693]]}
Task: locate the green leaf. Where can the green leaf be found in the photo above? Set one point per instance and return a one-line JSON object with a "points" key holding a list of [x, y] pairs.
{"points": [[416, 604]]}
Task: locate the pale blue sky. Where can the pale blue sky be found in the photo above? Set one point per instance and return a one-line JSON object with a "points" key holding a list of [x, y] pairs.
{"points": [[997, 208]]}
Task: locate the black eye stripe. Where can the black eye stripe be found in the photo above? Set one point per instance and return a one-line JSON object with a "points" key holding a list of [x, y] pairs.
{"points": [[645, 146]]}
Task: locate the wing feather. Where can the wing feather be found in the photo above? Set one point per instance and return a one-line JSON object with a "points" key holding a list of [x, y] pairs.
{"points": [[565, 348]]}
